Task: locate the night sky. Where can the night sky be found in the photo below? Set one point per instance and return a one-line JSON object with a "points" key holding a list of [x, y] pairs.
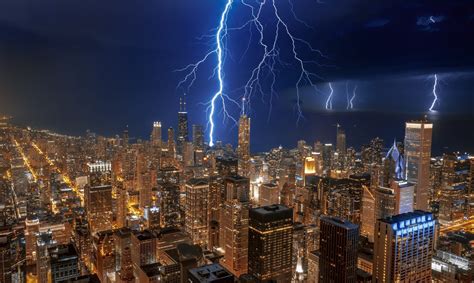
{"points": [[100, 65]]}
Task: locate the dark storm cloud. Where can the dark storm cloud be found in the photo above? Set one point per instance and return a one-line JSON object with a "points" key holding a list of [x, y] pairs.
{"points": [[377, 23]]}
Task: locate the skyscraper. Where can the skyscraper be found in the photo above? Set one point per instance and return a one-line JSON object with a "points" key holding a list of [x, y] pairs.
{"points": [[44, 242], [198, 137], [404, 248], [234, 223], [341, 140], [168, 190], [417, 157], [268, 194], [196, 210], [156, 134], [396, 199], [182, 125], [99, 207], [270, 243], [171, 144], [243, 149], [338, 250]]}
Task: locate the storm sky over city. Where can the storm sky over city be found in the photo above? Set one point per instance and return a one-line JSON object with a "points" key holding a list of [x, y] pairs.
{"points": [[101, 65]]}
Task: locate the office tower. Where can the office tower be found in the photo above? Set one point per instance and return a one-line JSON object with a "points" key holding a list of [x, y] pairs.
{"points": [[6, 256], [64, 263], [121, 205], [243, 149], [270, 243], [196, 210], [338, 250], [103, 254], [144, 248], [125, 274], [417, 157], [182, 125], [404, 248], [396, 199], [171, 144], [327, 154], [125, 137], [453, 195], [188, 154], [198, 137], [212, 273], [341, 140], [226, 166], [168, 190], [156, 134], [99, 207], [368, 214], [43, 243], [234, 224], [268, 194], [341, 151]]}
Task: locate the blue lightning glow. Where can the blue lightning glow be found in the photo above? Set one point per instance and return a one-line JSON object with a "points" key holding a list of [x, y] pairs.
{"points": [[351, 101], [265, 68], [435, 85], [190, 77], [271, 53], [329, 99]]}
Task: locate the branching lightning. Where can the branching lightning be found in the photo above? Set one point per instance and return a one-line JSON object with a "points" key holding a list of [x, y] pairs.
{"points": [[265, 69], [329, 99], [435, 95]]}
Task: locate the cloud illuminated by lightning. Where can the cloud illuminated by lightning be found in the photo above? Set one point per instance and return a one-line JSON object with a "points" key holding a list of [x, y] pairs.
{"points": [[265, 69], [435, 95], [329, 99]]}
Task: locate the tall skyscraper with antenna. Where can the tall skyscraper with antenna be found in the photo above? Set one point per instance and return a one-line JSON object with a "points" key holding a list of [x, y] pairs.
{"points": [[243, 149], [182, 125]]}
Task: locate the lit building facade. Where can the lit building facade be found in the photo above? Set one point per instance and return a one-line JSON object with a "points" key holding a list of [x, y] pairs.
{"points": [[196, 210], [418, 135], [234, 224], [338, 250], [404, 248], [270, 243], [243, 149]]}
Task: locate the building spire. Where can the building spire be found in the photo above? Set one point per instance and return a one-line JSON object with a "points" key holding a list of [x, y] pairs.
{"points": [[243, 106]]}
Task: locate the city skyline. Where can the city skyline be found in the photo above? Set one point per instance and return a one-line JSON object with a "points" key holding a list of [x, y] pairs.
{"points": [[236, 141]]}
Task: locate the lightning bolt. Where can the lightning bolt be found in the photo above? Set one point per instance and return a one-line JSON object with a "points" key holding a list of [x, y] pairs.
{"points": [[271, 52], [435, 95], [351, 101], [192, 69], [329, 99], [265, 69]]}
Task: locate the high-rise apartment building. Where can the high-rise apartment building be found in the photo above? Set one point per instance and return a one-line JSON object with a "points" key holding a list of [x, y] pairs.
{"points": [[338, 250], [243, 149], [44, 242], [417, 150], [270, 243], [234, 224], [196, 210], [404, 248]]}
